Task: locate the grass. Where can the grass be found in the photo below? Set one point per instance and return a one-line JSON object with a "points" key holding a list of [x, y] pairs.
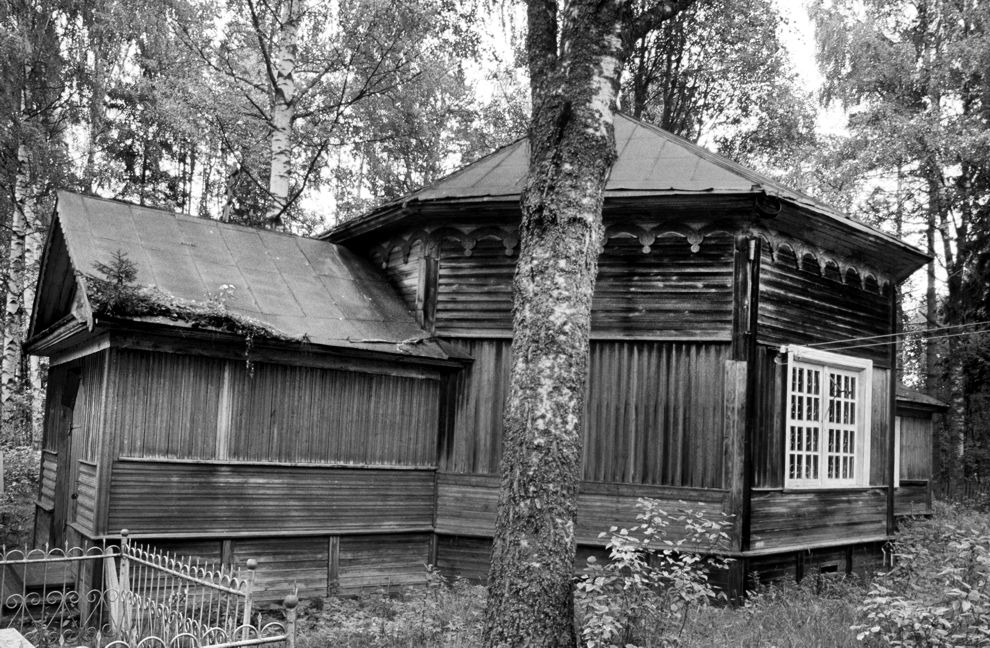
{"points": [[953, 549]]}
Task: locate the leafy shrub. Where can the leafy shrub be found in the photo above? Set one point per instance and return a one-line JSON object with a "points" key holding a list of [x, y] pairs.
{"points": [[439, 615], [644, 595], [21, 466], [937, 593]]}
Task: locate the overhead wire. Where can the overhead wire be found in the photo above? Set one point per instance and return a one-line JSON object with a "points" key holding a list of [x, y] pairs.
{"points": [[888, 341]]}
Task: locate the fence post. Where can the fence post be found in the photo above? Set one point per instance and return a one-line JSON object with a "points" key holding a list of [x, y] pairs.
{"points": [[290, 603], [251, 565], [124, 584]]}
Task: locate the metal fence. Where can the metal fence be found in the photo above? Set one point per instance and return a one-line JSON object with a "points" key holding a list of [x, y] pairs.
{"points": [[132, 596]]}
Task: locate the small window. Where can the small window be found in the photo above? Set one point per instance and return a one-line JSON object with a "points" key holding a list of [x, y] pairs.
{"points": [[827, 440]]}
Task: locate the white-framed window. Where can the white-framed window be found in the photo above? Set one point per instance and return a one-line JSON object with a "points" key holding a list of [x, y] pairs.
{"points": [[827, 433]]}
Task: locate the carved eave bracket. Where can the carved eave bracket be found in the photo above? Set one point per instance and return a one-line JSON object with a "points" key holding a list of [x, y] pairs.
{"points": [[852, 272], [427, 242]]}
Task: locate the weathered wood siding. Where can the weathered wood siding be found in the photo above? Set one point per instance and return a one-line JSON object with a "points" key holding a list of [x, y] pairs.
{"points": [[376, 561], [175, 497], [798, 305], [667, 293], [797, 518], [46, 490], [466, 505], [85, 502], [916, 448], [768, 437], [913, 498], [190, 407], [284, 564], [402, 271], [654, 412]]}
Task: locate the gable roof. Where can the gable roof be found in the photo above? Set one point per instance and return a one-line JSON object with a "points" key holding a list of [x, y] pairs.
{"points": [[309, 290], [651, 163]]}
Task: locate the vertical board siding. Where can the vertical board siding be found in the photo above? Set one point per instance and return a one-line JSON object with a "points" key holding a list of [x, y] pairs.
{"points": [[782, 519], [480, 392], [303, 414], [170, 406], [800, 306], [375, 561], [768, 439], [768, 436], [86, 497], [89, 405], [883, 428], [916, 448], [654, 412], [167, 497], [669, 292], [285, 563]]}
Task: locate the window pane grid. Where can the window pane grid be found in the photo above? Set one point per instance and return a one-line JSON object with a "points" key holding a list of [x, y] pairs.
{"points": [[823, 424]]}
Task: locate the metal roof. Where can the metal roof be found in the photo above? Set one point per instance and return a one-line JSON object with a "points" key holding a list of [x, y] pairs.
{"points": [[907, 395], [306, 289], [650, 161]]}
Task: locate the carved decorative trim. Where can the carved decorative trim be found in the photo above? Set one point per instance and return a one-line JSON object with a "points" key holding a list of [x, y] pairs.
{"points": [[427, 243], [828, 264], [430, 240]]}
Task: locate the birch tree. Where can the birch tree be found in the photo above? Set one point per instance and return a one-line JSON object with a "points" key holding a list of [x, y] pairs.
{"points": [[575, 55]]}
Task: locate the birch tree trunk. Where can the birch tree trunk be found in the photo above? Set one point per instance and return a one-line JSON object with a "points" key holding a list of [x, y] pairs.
{"points": [[13, 324], [283, 111], [530, 598]]}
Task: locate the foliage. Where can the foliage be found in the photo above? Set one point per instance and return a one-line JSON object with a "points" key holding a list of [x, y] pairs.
{"points": [[719, 68], [437, 615], [938, 594], [21, 467], [117, 294], [645, 594]]}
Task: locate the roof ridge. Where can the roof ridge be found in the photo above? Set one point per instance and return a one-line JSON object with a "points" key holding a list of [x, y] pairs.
{"points": [[241, 226]]}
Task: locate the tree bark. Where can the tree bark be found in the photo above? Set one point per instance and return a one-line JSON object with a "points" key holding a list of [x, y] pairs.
{"points": [[13, 324], [572, 147], [283, 112]]}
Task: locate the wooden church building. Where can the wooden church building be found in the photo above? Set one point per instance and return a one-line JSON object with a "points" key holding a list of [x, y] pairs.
{"points": [[734, 367]]}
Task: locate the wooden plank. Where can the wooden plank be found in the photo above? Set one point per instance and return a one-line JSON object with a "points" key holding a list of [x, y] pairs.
{"points": [[382, 561], [190, 407], [285, 564], [466, 505], [171, 498], [784, 518]]}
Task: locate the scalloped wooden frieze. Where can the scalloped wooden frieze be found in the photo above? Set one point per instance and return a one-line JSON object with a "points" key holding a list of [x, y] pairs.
{"points": [[824, 259]]}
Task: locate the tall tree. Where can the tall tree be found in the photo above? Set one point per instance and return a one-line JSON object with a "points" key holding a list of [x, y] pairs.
{"points": [[719, 67], [913, 74], [575, 57]]}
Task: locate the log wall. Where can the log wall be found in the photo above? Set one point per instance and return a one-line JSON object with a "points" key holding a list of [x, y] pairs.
{"points": [[800, 305], [466, 505], [667, 293], [799, 518], [654, 412], [166, 498]]}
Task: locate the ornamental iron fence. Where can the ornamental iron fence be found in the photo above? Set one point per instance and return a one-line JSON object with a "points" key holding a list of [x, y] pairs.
{"points": [[132, 596]]}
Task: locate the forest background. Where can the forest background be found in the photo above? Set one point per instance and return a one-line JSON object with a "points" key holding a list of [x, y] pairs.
{"points": [[298, 114]]}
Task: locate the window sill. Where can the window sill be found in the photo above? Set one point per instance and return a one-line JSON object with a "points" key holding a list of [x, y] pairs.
{"points": [[821, 489]]}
